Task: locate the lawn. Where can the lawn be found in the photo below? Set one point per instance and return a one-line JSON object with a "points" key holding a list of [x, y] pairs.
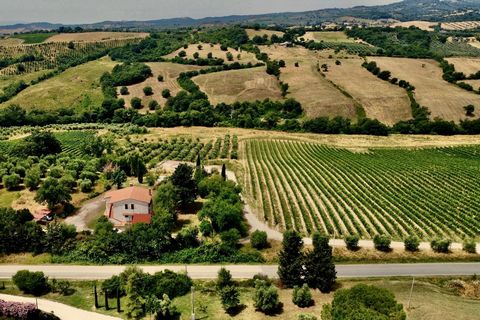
{"points": [[31, 38], [8, 197]]}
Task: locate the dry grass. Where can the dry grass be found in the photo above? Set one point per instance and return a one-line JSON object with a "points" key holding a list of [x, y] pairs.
{"points": [[474, 83], [240, 56], [343, 141], [443, 99], [423, 25], [170, 73], [239, 86], [466, 65], [307, 85], [10, 42], [380, 99], [77, 87], [252, 33], [462, 25], [327, 36], [96, 36]]}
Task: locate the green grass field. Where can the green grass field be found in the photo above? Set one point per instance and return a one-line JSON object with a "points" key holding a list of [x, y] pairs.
{"points": [[30, 38], [77, 88], [307, 187]]}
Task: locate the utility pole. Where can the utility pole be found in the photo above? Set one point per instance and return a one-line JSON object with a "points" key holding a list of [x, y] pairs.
{"points": [[193, 302], [411, 292]]}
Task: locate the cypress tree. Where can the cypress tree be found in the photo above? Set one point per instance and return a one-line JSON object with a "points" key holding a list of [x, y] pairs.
{"points": [[290, 260], [224, 172], [319, 267]]}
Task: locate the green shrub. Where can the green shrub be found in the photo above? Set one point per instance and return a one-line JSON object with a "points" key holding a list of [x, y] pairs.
{"points": [[11, 182], [411, 243], [31, 282], [148, 91], [113, 285], [166, 93], [123, 91], [86, 186], [258, 239], [206, 228], [136, 103], [230, 237], [441, 245], [266, 298], [224, 279], [230, 298], [470, 246], [382, 243], [302, 297], [351, 242]]}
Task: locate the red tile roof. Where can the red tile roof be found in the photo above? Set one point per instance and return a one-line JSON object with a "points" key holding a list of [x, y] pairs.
{"points": [[130, 193], [141, 218]]}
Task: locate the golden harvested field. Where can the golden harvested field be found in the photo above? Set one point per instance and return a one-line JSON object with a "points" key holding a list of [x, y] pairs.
{"points": [[245, 57], [443, 99], [10, 42], [239, 85], [77, 87], [96, 36], [327, 36], [170, 73], [463, 25], [474, 83], [466, 65], [252, 33], [423, 25], [307, 85], [381, 100]]}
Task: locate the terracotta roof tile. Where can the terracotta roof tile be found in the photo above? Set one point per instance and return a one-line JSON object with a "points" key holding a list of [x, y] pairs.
{"points": [[130, 193]]}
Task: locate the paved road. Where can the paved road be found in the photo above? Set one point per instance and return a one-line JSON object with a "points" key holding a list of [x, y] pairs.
{"points": [[62, 311], [248, 271]]}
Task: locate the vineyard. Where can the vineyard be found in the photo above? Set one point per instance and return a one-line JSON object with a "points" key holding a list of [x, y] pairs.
{"points": [[30, 58], [398, 192], [72, 141], [184, 149]]}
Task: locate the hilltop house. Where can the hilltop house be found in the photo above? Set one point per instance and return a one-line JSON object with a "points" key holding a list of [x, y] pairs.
{"points": [[129, 206]]}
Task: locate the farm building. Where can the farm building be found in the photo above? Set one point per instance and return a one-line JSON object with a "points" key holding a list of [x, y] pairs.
{"points": [[129, 206]]}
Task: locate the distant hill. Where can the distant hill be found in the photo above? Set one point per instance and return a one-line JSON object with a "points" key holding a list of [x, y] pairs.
{"points": [[430, 10]]}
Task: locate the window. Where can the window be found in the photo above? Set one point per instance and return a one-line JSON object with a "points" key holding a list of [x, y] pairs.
{"points": [[126, 206], [132, 206]]}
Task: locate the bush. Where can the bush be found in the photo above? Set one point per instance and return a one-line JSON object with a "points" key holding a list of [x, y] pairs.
{"points": [[123, 91], [302, 297], [136, 103], [412, 243], [224, 279], [230, 298], [86, 186], [266, 298], [17, 310], [112, 285], [31, 282], [382, 243], [230, 237], [258, 239], [206, 228], [153, 105], [441, 245], [11, 182], [351, 242], [160, 78], [148, 91], [470, 246], [166, 93]]}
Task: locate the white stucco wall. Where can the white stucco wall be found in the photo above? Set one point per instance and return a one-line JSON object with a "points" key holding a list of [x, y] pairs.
{"points": [[118, 209]]}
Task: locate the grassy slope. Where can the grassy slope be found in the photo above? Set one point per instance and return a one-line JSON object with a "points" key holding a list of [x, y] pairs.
{"points": [[30, 38], [428, 301], [27, 77], [73, 88]]}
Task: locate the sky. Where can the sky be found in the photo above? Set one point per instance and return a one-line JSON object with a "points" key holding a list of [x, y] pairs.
{"points": [[88, 11]]}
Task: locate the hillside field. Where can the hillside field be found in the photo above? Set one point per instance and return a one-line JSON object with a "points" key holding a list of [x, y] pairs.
{"points": [[27, 77], [380, 99], [327, 36], [95, 36], [77, 87], [239, 86], [307, 85], [252, 33], [308, 186], [443, 99], [170, 72], [240, 56], [466, 65], [461, 25], [423, 25]]}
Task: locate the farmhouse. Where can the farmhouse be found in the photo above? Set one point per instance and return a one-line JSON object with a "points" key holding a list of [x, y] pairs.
{"points": [[129, 206]]}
